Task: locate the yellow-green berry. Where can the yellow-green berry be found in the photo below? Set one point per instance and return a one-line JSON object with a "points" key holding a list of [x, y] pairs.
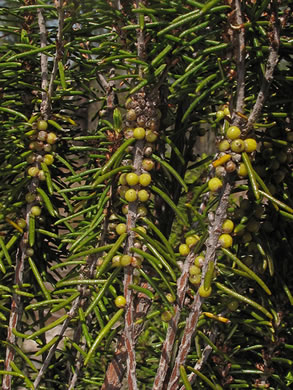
{"points": [[184, 249], [225, 240], [215, 184], [233, 132], [120, 301]]}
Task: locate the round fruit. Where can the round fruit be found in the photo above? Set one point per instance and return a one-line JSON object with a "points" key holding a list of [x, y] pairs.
{"points": [[233, 305], [228, 226], [48, 159], [41, 175], [47, 148], [253, 226], [170, 298], [259, 211], [29, 252], [195, 279], [125, 260], [122, 190], [237, 145], [226, 111], [125, 209], [36, 211], [132, 179], [33, 171], [199, 261], [143, 195], [131, 115], [250, 145], [142, 211], [215, 184], [145, 179], [139, 133], [116, 261], [21, 223], [42, 125], [42, 135], [247, 237], [225, 240], [51, 138], [184, 249], [248, 260], [151, 136], [148, 151], [191, 240], [121, 228], [224, 145], [30, 197], [220, 114], [120, 301], [166, 316], [242, 170], [142, 229], [130, 195], [31, 158], [233, 132], [220, 171], [194, 270], [203, 292], [230, 166], [147, 164]]}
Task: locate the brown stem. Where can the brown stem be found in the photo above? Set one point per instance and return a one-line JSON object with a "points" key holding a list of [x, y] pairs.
{"points": [[59, 46], [15, 315], [268, 76], [53, 348], [45, 105], [166, 353], [240, 61], [216, 222]]}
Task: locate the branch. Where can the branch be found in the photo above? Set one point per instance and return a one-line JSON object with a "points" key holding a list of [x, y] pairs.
{"points": [[268, 77], [166, 354], [52, 350], [240, 61], [59, 46], [216, 222], [15, 313], [45, 105], [204, 357]]}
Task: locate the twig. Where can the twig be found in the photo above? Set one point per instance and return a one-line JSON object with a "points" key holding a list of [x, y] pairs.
{"points": [[205, 354], [240, 61], [166, 353], [268, 77], [53, 348], [45, 105], [191, 322], [59, 46], [15, 314]]}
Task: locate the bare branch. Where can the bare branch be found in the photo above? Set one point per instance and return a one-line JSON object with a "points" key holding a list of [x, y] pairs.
{"points": [[45, 105], [216, 222], [270, 67], [53, 348], [182, 286], [59, 45], [240, 61], [15, 315]]}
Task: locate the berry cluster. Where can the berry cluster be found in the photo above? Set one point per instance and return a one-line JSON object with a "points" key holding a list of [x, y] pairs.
{"points": [[229, 157], [142, 123], [42, 145]]}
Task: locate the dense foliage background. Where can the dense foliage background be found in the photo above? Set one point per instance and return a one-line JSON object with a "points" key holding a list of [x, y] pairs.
{"points": [[77, 78]]}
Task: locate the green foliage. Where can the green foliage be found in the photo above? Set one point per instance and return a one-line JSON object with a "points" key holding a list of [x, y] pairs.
{"points": [[188, 70]]}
